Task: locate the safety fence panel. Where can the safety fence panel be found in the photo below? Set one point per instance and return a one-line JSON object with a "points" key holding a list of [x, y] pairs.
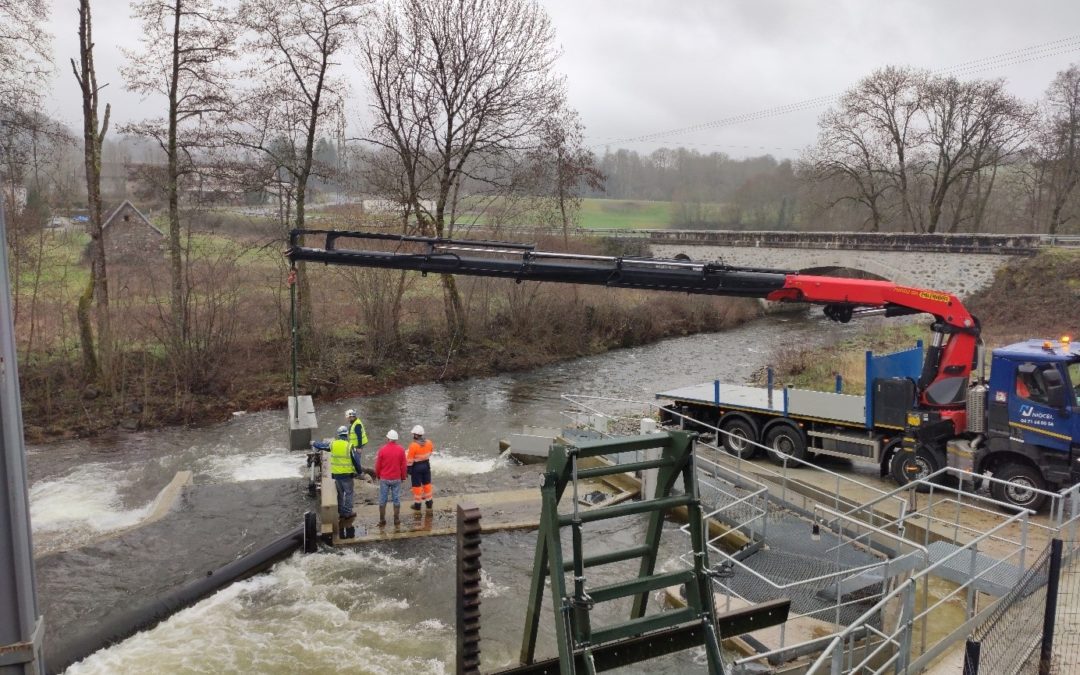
{"points": [[1036, 628], [1010, 636], [1065, 648]]}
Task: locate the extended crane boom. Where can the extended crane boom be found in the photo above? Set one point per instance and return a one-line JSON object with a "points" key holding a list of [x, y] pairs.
{"points": [[950, 356]]}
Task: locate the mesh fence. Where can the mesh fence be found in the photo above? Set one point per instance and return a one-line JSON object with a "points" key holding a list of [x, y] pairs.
{"points": [[1010, 640], [1065, 657], [1012, 633]]}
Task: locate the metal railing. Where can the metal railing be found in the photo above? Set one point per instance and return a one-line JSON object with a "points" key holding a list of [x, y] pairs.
{"points": [[893, 631], [841, 653]]}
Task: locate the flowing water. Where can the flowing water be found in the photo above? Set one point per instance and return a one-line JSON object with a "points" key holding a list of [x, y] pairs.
{"points": [[383, 608]]}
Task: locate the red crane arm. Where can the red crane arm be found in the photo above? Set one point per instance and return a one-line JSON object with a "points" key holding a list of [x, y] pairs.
{"points": [[871, 293]]}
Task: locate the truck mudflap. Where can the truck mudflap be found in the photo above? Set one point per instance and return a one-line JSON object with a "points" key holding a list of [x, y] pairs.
{"points": [[960, 454]]}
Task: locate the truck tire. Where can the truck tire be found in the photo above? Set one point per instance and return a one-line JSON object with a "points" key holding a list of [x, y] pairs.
{"points": [[1023, 480], [737, 439], [908, 466], [785, 440], [887, 455]]}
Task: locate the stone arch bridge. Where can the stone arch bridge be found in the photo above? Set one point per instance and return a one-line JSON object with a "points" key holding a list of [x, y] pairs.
{"points": [[958, 263]]}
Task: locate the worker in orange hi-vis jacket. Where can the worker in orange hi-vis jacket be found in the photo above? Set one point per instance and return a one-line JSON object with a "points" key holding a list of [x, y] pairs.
{"points": [[419, 463]]}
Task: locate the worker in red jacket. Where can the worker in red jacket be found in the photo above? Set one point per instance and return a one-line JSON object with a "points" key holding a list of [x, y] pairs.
{"points": [[390, 470]]}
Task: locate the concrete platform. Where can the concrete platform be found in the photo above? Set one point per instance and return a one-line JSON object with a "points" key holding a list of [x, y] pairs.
{"points": [[500, 511], [504, 510]]}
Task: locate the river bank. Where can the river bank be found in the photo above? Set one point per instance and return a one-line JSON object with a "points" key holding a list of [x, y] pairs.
{"points": [[254, 376]]}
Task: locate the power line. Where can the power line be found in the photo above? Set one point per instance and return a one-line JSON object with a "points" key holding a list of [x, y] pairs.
{"points": [[1004, 59]]}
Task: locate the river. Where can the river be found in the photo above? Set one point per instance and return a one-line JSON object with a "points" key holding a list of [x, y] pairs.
{"points": [[383, 608]]}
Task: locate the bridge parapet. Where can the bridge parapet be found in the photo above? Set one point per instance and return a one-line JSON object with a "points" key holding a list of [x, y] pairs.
{"points": [[1003, 244]]}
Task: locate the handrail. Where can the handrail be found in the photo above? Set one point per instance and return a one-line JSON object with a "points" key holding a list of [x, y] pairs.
{"points": [[574, 399], [912, 582]]}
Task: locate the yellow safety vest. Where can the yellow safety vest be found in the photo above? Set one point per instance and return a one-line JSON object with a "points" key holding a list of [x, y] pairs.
{"points": [[341, 457], [354, 436]]}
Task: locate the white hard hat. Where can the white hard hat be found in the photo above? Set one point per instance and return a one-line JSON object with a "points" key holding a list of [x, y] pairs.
{"points": [[350, 413], [392, 435], [343, 431], [418, 430]]}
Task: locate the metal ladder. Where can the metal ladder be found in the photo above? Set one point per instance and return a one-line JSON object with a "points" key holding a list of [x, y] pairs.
{"points": [[580, 644]]}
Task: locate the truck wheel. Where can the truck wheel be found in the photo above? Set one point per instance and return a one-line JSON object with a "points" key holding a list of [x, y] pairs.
{"points": [[887, 454], [785, 440], [908, 466], [737, 440], [1022, 483]]}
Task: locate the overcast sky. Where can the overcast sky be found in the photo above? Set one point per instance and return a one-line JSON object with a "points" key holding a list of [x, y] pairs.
{"points": [[636, 68]]}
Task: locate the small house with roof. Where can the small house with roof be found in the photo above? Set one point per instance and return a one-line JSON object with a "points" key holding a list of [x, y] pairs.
{"points": [[130, 236]]}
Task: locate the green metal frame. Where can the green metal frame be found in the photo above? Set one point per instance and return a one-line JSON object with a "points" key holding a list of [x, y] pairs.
{"points": [[574, 632]]}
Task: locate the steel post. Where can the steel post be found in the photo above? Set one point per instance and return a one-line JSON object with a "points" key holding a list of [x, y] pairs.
{"points": [[1046, 649], [20, 624], [972, 651]]}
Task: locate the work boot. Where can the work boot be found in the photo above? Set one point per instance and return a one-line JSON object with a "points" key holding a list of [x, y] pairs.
{"points": [[430, 504], [397, 515], [382, 516], [350, 532], [416, 506]]}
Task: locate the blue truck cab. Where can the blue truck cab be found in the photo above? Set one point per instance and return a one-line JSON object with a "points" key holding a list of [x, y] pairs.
{"points": [[1032, 420]]}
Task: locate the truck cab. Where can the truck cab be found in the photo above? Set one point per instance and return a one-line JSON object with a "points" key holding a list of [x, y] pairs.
{"points": [[1032, 420]]}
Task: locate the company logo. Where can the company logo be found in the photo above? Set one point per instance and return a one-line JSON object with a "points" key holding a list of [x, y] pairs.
{"points": [[1030, 411], [1036, 417], [925, 294]]}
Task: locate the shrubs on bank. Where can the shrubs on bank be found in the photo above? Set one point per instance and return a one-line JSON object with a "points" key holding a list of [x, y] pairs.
{"points": [[374, 330]]}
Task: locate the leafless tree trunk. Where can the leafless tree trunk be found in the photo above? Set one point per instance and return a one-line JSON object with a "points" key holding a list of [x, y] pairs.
{"points": [[1060, 143], [93, 135], [969, 126], [297, 45], [186, 46], [460, 88]]}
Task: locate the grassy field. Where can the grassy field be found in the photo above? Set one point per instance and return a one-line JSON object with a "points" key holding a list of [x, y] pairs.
{"points": [[594, 214], [624, 214]]}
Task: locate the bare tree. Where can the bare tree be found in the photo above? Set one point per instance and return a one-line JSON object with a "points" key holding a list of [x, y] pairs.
{"points": [[460, 88], [97, 287], [853, 152], [903, 141], [24, 58], [1058, 144], [891, 98], [186, 47], [297, 45], [969, 126], [564, 166]]}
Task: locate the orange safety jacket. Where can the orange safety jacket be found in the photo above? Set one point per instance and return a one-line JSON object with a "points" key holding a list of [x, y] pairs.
{"points": [[419, 452]]}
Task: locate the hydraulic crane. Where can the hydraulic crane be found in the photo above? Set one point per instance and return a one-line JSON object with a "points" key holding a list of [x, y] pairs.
{"points": [[942, 415]]}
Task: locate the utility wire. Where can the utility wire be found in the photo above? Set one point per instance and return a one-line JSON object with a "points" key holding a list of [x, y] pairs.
{"points": [[996, 61]]}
